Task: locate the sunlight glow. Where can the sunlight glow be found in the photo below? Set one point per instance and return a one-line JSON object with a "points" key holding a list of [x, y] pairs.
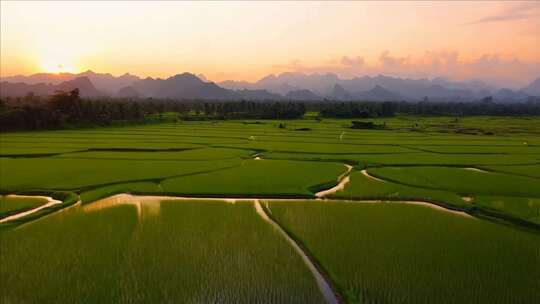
{"points": [[57, 61]]}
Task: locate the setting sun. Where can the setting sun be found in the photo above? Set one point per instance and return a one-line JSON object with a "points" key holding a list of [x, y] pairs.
{"points": [[55, 61], [57, 67], [58, 56]]}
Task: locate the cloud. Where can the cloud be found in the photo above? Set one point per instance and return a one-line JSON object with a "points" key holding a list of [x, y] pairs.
{"points": [[358, 61], [390, 61], [520, 12]]}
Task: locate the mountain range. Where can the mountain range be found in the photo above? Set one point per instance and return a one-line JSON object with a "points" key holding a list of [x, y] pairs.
{"points": [[285, 86], [20, 89]]}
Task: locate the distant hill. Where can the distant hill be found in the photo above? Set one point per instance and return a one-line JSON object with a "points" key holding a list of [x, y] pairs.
{"points": [[304, 95], [291, 86], [339, 93], [180, 86], [85, 86], [437, 89], [104, 82], [378, 93], [258, 95], [507, 95], [189, 86], [128, 92], [533, 88]]}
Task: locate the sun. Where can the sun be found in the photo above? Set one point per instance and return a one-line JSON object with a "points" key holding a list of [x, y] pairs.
{"points": [[58, 66], [58, 60]]}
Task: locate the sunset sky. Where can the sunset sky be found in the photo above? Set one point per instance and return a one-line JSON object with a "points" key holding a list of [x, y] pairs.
{"points": [[495, 41]]}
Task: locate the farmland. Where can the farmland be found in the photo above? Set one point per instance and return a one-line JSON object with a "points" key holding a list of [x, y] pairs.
{"points": [[218, 251], [390, 252], [12, 205], [131, 249]]}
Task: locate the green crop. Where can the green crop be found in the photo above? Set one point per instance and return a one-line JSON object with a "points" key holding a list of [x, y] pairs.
{"points": [[399, 253], [152, 252], [12, 205]]}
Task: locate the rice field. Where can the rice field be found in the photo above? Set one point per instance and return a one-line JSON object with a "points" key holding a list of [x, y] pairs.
{"points": [[152, 251], [400, 253], [12, 205], [198, 250]]}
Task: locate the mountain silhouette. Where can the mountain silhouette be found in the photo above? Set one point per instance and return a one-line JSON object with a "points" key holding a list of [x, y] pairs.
{"points": [[507, 95], [377, 93], [339, 93], [532, 89], [437, 89], [104, 82], [85, 86], [258, 95], [189, 86], [182, 86], [303, 95], [292, 86], [128, 92]]}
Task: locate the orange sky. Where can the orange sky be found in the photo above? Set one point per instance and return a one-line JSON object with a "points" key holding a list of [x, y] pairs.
{"points": [[499, 41]]}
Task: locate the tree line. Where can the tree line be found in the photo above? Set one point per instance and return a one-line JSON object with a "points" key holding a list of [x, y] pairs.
{"points": [[68, 109], [425, 108]]}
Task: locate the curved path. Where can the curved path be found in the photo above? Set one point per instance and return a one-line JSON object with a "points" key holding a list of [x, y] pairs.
{"points": [[417, 202], [324, 286], [366, 174], [50, 202], [343, 180]]}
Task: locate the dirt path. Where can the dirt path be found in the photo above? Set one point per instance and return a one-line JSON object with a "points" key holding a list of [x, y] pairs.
{"points": [[50, 202], [476, 170], [366, 174], [343, 180], [324, 286], [437, 207]]}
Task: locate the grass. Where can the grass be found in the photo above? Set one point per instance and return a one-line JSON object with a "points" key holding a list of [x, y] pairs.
{"points": [[397, 253], [13, 205], [153, 252]]}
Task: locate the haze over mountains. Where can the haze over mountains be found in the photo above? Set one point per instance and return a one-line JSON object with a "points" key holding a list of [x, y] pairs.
{"points": [[285, 86]]}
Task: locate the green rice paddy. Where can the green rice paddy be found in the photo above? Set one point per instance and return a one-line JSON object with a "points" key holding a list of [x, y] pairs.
{"points": [[13, 205], [399, 253], [209, 251], [152, 252]]}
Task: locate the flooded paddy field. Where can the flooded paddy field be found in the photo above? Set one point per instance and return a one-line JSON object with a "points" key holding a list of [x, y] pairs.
{"points": [[179, 236]]}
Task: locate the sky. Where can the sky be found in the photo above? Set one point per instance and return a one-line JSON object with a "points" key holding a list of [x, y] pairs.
{"points": [[494, 41]]}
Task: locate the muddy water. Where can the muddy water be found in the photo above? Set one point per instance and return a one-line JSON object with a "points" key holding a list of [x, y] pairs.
{"points": [[323, 285], [50, 202]]}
